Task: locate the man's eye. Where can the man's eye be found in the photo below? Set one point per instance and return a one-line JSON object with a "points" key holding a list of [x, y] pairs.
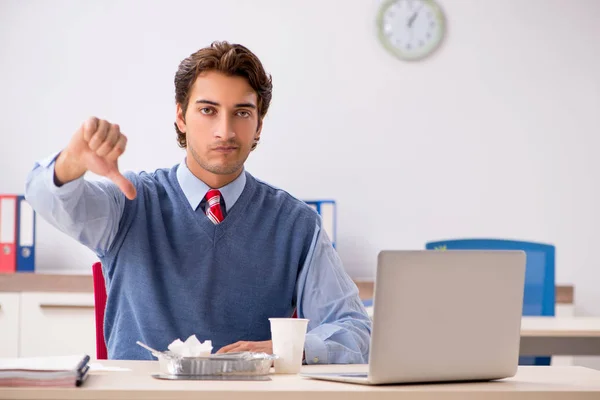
{"points": [[207, 111], [244, 114]]}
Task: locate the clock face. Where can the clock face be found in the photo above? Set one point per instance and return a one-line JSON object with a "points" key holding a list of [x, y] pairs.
{"points": [[411, 29]]}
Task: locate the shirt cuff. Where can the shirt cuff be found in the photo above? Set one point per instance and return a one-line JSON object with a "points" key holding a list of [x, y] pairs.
{"points": [[64, 190], [315, 350]]}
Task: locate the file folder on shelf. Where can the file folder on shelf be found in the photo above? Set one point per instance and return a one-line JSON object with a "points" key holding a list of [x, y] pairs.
{"points": [[327, 210], [25, 236], [8, 228]]}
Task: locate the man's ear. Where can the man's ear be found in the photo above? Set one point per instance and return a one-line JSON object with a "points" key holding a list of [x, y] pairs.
{"points": [[257, 135], [180, 119]]}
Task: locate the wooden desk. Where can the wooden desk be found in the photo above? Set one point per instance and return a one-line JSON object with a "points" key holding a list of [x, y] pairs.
{"points": [[557, 336], [530, 383], [48, 282], [564, 294], [573, 336]]}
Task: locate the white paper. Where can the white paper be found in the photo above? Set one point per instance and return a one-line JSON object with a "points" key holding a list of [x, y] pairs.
{"points": [[57, 363], [7, 220], [100, 367], [26, 221], [192, 347]]}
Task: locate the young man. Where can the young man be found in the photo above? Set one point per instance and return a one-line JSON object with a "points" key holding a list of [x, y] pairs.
{"points": [[202, 248]]}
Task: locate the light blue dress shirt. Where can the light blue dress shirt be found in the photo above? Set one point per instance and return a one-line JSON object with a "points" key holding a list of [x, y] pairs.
{"points": [[90, 211]]}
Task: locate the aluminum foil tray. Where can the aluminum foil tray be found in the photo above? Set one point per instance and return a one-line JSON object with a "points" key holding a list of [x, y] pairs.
{"points": [[240, 365]]}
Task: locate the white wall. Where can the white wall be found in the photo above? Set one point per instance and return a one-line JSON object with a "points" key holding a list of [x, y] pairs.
{"points": [[496, 135]]}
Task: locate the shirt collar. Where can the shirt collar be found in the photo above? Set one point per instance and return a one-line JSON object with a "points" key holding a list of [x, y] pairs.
{"points": [[195, 190]]}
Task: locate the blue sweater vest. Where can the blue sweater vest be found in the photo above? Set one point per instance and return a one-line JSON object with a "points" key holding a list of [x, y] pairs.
{"points": [[171, 273]]}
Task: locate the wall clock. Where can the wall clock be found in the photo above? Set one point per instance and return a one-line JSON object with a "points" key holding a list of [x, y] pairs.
{"points": [[411, 29]]}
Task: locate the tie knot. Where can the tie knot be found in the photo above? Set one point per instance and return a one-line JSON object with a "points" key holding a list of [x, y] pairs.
{"points": [[213, 196], [213, 208]]}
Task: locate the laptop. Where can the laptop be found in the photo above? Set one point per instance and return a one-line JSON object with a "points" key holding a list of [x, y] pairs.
{"points": [[443, 316]]}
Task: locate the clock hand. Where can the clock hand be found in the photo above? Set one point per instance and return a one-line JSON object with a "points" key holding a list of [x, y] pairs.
{"points": [[412, 18]]}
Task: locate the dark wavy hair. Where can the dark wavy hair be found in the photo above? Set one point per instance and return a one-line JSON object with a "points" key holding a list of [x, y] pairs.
{"points": [[227, 58]]}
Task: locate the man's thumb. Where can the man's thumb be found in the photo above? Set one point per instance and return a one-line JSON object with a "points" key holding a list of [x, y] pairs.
{"points": [[124, 184]]}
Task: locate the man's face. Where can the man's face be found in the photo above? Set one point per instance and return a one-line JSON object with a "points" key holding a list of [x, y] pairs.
{"points": [[221, 123]]}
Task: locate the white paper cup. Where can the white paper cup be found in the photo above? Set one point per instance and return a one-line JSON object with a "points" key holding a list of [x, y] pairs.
{"points": [[288, 335]]}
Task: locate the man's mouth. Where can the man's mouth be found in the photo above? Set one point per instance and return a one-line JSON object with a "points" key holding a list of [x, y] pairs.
{"points": [[225, 149]]}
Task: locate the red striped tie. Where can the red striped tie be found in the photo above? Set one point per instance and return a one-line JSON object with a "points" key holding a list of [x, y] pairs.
{"points": [[213, 211]]}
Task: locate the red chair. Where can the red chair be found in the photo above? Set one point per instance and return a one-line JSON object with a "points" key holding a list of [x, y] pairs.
{"points": [[99, 306]]}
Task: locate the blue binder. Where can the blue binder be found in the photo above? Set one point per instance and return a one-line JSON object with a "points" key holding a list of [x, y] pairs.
{"points": [[25, 236], [327, 210]]}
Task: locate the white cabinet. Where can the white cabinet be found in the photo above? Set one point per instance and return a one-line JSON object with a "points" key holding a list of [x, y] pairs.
{"points": [[9, 324], [57, 324]]}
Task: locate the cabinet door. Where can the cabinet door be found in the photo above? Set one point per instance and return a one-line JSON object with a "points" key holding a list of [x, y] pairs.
{"points": [[9, 324], [57, 324]]}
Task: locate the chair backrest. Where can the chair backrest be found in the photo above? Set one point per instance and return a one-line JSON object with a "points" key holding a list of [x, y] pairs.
{"points": [[539, 297], [99, 307], [539, 294]]}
